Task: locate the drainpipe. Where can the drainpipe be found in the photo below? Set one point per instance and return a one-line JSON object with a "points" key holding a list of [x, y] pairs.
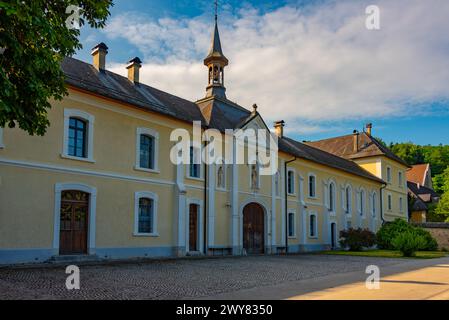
{"points": [[286, 202], [384, 185], [206, 209]]}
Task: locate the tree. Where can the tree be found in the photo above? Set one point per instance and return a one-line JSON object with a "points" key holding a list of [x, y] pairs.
{"points": [[34, 38], [442, 208]]}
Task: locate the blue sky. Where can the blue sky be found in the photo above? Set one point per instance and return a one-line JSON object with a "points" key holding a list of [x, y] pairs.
{"points": [[311, 63]]}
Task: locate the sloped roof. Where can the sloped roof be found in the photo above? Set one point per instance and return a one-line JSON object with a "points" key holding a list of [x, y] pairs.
{"points": [[304, 151], [214, 112], [108, 84], [417, 173], [419, 190], [343, 146]]}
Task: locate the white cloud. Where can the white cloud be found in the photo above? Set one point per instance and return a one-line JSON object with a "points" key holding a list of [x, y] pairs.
{"points": [[312, 64]]}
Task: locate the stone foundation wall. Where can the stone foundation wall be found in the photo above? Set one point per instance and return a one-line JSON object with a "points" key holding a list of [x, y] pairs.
{"points": [[440, 231]]}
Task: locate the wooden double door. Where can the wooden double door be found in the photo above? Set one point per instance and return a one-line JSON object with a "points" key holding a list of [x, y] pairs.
{"points": [[74, 222], [193, 227], [253, 229]]}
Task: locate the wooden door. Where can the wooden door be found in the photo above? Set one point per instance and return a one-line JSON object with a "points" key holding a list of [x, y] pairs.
{"points": [[193, 227], [253, 229], [74, 222]]}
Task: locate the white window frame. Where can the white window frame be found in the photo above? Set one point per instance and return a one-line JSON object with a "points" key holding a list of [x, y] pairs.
{"points": [[315, 236], [151, 133], [308, 186], [90, 119], [389, 174], [293, 212], [293, 172], [220, 163], [1, 138], [149, 195], [196, 154]]}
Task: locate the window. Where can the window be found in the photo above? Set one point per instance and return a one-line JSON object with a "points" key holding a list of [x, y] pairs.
{"points": [[312, 186], [388, 174], [389, 203], [221, 176], [401, 208], [332, 197], [194, 168], [78, 135], [312, 226], [147, 145], [374, 205], [291, 182], [348, 199], [145, 214], [77, 138], [362, 202], [146, 152], [400, 179], [291, 224], [1, 138]]}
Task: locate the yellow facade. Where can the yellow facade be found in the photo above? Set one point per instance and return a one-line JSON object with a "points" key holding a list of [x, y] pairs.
{"points": [[395, 189], [34, 169]]}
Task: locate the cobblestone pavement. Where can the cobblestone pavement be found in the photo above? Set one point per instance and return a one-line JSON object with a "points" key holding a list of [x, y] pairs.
{"points": [[175, 279]]}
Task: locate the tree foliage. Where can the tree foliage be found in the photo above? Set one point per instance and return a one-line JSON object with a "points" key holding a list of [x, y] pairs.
{"points": [[34, 39]]}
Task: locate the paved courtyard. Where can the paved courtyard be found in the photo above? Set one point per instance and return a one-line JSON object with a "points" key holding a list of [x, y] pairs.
{"points": [[178, 279]]}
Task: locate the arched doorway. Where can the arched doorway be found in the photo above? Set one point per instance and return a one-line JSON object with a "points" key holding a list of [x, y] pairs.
{"points": [[74, 222], [253, 228]]}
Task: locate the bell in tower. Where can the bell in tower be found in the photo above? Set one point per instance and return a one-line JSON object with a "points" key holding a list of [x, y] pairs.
{"points": [[216, 62]]}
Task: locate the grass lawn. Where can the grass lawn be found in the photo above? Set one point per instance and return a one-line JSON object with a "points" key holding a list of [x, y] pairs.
{"points": [[388, 254]]}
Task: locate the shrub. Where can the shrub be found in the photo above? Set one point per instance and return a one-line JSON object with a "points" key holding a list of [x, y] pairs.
{"points": [[357, 239], [408, 243], [391, 230]]}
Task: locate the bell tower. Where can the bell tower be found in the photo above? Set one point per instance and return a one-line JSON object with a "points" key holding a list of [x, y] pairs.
{"points": [[215, 63]]}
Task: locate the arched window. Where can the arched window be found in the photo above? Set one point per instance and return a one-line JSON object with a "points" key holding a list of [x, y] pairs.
{"points": [[348, 199], [147, 147], [332, 197], [77, 138], [374, 205], [362, 202], [195, 165], [291, 182], [145, 214], [312, 226], [291, 224], [146, 151], [312, 186], [78, 135]]}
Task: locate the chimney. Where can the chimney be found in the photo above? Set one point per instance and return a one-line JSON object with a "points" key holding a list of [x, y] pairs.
{"points": [[133, 69], [254, 109], [355, 136], [279, 128], [369, 127], [99, 53]]}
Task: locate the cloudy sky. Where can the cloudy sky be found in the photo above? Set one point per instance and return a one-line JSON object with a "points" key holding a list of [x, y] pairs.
{"points": [[311, 63]]}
